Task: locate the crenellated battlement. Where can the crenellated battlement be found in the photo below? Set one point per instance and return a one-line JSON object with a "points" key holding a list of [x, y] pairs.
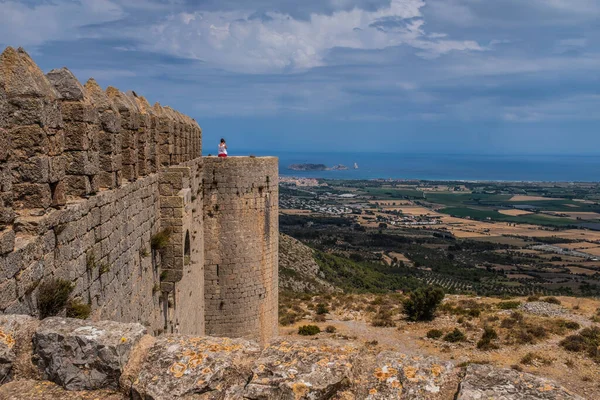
{"points": [[62, 139]]}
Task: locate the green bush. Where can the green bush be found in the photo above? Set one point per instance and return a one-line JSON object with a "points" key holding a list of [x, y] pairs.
{"points": [[77, 309], [509, 305], [485, 343], [330, 329], [551, 300], [455, 336], [160, 240], [571, 325], [322, 309], [308, 330], [53, 296], [434, 334], [421, 304]]}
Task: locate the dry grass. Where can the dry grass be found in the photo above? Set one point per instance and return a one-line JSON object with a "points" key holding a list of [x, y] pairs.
{"points": [[520, 197], [515, 213]]}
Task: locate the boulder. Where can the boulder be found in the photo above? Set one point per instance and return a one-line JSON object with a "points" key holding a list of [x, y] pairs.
{"points": [[393, 375], [44, 390], [304, 369], [15, 346], [84, 355], [182, 367], [488, 382]]}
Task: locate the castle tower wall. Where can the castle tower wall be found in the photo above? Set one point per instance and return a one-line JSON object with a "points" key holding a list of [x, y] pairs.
{"points": [[241, 246]]}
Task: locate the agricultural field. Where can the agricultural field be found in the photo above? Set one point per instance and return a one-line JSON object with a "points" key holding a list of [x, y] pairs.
{"points": [[483, 238]]}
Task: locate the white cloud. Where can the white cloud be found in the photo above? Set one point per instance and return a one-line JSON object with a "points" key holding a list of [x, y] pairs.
{"points": [[21, 25], [237, 41]]}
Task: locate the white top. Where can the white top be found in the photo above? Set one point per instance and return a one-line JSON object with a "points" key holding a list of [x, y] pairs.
{"points": [[222, 148]]}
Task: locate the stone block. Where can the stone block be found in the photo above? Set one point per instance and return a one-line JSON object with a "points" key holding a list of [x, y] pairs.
{"points": [[171, 202], [66, 84], [32, 195], [171, 275], [35, 111], [78, 185], [28, 141], [78, 136], [15, 347], [79, 112], [56, 143], [320, 369], [82, 163], [84, 355], [487, 381], [43, 390], [7, 241], [179, 365]]}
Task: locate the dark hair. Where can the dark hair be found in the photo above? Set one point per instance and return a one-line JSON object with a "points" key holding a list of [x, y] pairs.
{"points": [[222, 140]]}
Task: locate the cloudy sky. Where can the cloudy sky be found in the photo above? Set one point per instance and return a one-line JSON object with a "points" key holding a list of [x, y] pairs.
{"points": [[439, 76]]}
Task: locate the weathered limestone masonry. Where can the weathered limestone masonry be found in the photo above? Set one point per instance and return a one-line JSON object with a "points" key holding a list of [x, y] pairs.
{"points": [[87, 178], [101, 189], [241, 235]]}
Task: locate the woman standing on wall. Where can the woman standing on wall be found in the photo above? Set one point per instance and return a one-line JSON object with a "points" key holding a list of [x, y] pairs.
{"points": [[223, 149]]}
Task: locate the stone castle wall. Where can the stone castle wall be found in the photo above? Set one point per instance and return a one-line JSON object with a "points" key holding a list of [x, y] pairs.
{"points": [[88, 176], [91, 179], [241, 246]]}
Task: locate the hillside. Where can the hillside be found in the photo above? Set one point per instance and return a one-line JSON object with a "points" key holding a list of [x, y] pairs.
{"points": [[298, 270]]}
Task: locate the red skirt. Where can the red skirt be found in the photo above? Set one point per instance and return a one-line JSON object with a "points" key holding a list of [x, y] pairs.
{"points": [[223, 155]]}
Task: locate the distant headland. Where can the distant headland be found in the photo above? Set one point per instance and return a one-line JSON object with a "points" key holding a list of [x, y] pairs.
{"points": [[316, 167]]}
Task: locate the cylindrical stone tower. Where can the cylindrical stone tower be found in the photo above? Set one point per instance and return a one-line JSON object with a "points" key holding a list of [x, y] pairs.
{"points": [[241, 246]]}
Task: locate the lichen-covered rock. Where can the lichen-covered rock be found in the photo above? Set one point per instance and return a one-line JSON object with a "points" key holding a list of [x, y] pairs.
{"points": [[395, 375], [302, 370], [15, 346], [186, 367], [44, 390], [487, 382], [84, 355]]}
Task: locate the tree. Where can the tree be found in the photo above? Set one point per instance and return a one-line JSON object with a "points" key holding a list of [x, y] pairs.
{"points": [[422, 303]]}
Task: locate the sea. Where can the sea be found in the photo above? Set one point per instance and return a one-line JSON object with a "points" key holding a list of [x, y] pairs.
{"points": [[445, 167]]}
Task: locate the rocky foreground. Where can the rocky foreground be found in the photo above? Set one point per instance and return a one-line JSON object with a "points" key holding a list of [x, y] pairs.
{"points": [[60, 358]]}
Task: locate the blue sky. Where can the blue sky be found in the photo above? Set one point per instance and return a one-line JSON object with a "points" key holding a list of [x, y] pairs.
{"points": [[439, 76]]}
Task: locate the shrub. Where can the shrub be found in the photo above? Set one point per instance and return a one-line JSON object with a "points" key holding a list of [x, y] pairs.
{"points": [[77, 309], [104, 268], [533, 298], [551, 300], [422, 303], [330, 329], [574, 343], [160, 240], [288, 318], [533, 358], [322, 309], [485, 343], [455, 336], [319, 318], [508, 305], [571, 325], [308, 330], [53, 296], [383, 318], [434, 334]]}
